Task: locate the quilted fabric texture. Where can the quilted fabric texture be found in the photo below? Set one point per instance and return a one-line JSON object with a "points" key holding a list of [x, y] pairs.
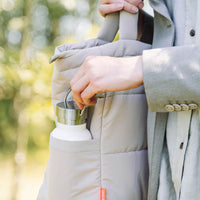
{"points": [[116, 158]]}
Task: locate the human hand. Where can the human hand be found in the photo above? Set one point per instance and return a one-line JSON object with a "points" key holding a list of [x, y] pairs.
{"points": [[105, 74], [109, 6]]}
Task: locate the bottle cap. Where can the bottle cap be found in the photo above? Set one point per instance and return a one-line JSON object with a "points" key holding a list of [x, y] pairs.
{"points": [[70, 114]]}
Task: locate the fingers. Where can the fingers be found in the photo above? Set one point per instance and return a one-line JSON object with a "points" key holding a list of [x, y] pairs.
{"points": [[78, 75], [83, 93], [132, 6], [88, 95], [78, 87], [138, 3], [105, 9], [81, 106], [110, 6], [80, 83]]}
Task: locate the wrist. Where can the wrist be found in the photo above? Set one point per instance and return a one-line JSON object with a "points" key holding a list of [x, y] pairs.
{"points": [[133, 75], [140, 70], [136, 75]]}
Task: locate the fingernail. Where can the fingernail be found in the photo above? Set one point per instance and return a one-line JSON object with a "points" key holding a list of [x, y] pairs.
{"points": [[141, 5], [134, 9]]}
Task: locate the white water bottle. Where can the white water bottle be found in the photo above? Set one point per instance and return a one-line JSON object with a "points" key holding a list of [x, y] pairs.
{"points": [[71, 123]]}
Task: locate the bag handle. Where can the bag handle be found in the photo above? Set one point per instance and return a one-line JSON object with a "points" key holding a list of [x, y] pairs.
{"points": [[110, 27], [126, 22], [128, 25]]}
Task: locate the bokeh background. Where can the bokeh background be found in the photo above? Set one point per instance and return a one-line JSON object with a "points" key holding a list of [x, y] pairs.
{"points": [[29, 32]]}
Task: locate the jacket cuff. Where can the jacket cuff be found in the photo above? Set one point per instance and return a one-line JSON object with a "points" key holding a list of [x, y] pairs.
{"points": [[152, 76]]}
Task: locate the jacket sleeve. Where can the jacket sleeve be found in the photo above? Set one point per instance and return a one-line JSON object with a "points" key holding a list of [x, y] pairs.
{"points": [[172, 78]]}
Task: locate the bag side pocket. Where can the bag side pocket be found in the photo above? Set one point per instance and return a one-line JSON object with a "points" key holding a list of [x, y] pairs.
{"points": [[73, 170]]}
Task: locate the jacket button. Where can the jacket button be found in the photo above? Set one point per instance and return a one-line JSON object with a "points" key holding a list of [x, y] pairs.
{"points": [[181, 145], [192, 33], [184, 107], [177, 107], [169, 108], [193, 106]]}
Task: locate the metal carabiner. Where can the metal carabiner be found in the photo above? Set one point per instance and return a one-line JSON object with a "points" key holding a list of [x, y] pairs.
{"points": [[67, 105]]}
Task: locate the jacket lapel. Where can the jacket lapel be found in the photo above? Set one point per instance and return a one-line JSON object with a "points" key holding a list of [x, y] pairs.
{"points": [[163, 25], [160, 7]]}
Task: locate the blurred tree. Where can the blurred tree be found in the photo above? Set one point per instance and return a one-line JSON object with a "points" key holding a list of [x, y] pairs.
{"points": [[29, 32]]}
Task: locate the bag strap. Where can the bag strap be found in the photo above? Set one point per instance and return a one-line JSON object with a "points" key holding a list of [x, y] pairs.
{"points": [[128, 25], [110, 27], [126, 22]]}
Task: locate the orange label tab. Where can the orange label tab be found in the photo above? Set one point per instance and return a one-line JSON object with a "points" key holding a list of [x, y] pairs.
{"points": [[102, 194]]}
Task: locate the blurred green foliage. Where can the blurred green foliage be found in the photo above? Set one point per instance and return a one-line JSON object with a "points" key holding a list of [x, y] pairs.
{"points": [[29, 32]]}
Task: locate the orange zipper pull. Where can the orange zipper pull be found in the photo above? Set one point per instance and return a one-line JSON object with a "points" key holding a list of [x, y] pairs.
{"points": [[102, 194]]}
